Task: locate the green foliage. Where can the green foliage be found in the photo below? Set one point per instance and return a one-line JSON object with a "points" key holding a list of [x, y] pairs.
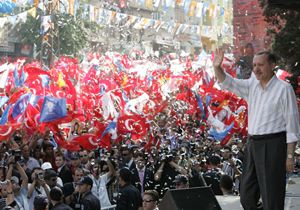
{"points": [[29, 31], [284, 28], [72, 33]]}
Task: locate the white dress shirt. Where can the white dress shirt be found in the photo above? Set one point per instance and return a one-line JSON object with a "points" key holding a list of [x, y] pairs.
{"points": [[271, 109]]}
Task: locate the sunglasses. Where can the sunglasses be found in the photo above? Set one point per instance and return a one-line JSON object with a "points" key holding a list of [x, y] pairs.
{"points": [[125, 154], [148, 201], [83, 155]]}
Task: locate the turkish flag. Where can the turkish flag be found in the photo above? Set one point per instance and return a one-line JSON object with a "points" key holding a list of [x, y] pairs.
{"points": [[87, 141]]}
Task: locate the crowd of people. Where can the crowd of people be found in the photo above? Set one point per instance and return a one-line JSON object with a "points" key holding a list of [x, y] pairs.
{"points": [[39, 174]]}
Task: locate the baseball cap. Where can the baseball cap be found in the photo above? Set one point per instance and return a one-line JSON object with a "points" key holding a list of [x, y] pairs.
{"points": [[181, 179], [49, 173], [46, 165], [85, 180], [15, 179]]}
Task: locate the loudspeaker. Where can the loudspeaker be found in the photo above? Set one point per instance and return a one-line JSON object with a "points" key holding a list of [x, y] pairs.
{"points": [[197, 198], [288, 4]]}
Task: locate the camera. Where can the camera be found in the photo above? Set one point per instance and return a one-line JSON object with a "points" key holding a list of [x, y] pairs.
{"points": [[17, 138], [16, 153], [39, 176], [3, 184]]}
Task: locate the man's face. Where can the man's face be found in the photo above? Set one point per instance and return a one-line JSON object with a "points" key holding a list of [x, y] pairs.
{"points": [[83, 188], [227, 154], [148, 202], [180, 185], [262, 69], [83, 156], [78, 175], [126, 156], [140, 162], [52, 181], [96, 170], [59, 161], [15, 186], [75, 162], [25, 152], [37, 173], [249, 51]]}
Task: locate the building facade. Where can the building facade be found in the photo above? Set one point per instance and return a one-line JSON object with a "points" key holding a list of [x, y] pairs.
{"points": [[249, 26]]}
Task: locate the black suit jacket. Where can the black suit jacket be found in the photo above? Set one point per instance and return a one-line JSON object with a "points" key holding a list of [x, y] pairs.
{"points": [[148, 181], [90, 202], [129, 198], [61, 206], [65, 174]]}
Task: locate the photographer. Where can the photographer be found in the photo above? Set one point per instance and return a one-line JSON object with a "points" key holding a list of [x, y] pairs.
{"points": [[38, 186], [167, 170], [20, 190], [7, 197], [100, 178]]}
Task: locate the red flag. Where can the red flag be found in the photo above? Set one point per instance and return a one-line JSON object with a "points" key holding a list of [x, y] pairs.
{"points": [[87, 141]]}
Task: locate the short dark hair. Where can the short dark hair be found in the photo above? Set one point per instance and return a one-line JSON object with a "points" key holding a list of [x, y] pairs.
{"points": [[226, 182], [125, 174], [271, 56], [56, 194], [249, 45], [214, 160], [40, 202]]}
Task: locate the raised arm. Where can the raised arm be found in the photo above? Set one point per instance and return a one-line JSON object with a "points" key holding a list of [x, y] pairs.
{"points": [[217, 63]]}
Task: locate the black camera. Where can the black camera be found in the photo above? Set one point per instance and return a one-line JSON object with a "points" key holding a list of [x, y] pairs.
{"points": [[39, 176], [17, 138], [16, 153]]}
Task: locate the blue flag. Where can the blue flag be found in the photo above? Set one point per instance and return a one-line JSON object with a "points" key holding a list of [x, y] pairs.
{"points": [[21, 105], [53, 108], [200, 105], [45, 80], [112, 125], [221, 135], [16, 77], [4, 117]]}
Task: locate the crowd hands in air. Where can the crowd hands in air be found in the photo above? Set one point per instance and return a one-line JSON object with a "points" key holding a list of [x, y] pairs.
{"points": [[33, 167], [36, 173], [30, 170]]}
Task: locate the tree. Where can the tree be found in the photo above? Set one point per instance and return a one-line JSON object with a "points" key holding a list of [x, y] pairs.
{"points": [[71, 32], [285, 31]]}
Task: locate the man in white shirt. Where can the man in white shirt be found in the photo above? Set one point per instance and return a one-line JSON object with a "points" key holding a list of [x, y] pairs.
{"points": [[273, 128], [100, 179], [37, 187]]}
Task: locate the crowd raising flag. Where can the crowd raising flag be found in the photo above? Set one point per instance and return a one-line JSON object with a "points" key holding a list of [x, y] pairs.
{"points": [[117, 97]]}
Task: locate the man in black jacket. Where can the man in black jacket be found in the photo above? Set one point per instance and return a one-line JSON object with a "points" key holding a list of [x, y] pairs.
{"points": [[87, 200], [56, 196], [129, 197]]}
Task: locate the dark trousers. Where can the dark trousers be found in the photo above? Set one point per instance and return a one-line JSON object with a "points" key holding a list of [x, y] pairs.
{"points": [[264, 172]]}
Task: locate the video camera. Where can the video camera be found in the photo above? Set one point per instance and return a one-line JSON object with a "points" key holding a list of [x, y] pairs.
{"points": [[16, 154]]}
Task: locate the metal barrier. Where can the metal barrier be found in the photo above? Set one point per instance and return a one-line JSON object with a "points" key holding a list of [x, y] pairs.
{"points": [[112, 207]]}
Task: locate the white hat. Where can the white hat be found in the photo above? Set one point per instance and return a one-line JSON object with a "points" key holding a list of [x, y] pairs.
{"points": [[46, 166]]}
